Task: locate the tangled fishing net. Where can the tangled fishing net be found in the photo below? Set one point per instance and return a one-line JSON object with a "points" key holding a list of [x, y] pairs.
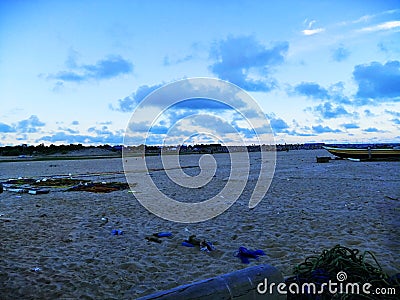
{"points": [[346, 268]]}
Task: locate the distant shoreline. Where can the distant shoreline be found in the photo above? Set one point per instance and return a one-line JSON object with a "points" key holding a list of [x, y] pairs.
{"points": [[23, 153], [50, 158]]}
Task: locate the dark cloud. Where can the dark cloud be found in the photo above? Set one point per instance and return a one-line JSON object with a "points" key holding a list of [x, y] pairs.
{"points": [[170, 61], [221, 126], [67, 76], [312, 90], [177, 96], [212, 122], [30, 125], [236, 58], [296, 133], [396, 121], [5, 128], [129, 103], [174, 115], [340, 54], [315, 91], [378, 81], [138, 127], [69, 130], [324, 129], [336, 94], [75, 123], [100, 131], [393, 113], [63, 137], [350, 126], [22, 137], [372, 129], [159, 129], [112, 66], [328, 111], [151, 140], [108, 68], [369, 113], [278, 125], [201, 104]]}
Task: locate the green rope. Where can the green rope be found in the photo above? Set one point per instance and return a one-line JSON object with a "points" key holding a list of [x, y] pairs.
{"points": [[359, 268]]}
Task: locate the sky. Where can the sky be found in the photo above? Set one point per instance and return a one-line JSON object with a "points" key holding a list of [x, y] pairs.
{"points": [[321, 71]]}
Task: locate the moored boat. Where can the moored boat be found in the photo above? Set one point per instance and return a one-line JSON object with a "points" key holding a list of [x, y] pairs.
{"points": [[365, 153]]}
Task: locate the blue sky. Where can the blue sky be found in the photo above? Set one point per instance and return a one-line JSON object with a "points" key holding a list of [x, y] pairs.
{"points": [[322, 71]]}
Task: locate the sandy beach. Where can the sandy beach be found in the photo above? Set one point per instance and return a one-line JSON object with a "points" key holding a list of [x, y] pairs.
{"points": [[58, 246]]}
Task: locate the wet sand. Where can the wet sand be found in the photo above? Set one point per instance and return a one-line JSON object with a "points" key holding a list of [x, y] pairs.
{"points": [[309, 207]]}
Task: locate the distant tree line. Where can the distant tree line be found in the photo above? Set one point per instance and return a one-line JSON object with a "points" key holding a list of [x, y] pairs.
{"points": [[42, 149]]}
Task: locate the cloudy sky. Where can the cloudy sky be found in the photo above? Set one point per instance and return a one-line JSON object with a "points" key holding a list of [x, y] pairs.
{"points": [[321, 71]]}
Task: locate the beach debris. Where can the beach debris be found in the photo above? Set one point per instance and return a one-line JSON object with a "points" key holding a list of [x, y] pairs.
{"points": [[15, 190], [339, 264], [247, 227], [38, 192], [353, 159], [206, 246], [20, 181], [193, 240], [36, 269], [4, 219], [60, 182], [104, 221], [117, 232], [244, 254], [187, 244], [21, 190], [153, 239], [392, 198], [30, 185], [203, 245], [98, 187], [44, 182], [323, 159], [163, 234]]}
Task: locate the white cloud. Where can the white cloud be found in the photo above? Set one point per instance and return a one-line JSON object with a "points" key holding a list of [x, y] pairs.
{"points": [[310, 24], [309, 30], [368, 18], [312, 31], [383, 26]]}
